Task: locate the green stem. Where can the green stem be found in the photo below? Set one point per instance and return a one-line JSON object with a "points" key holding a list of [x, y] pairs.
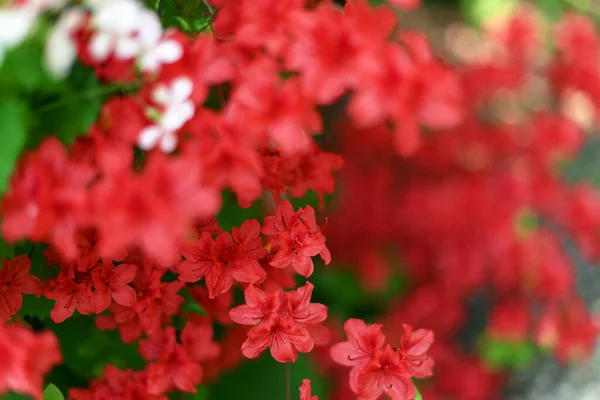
{"points": [[85, 95]]}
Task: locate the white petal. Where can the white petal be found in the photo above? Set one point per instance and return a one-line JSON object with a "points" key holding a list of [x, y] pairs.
{"points": [[175, 117], [160, 95], [70, 20], [121, 16], [181, 89], [169, 51], [60, 54], [15, 25], [149, 137], [171, 120], [127, 48], [149, 29], [186, 110], [101, 45], [168, 142]]}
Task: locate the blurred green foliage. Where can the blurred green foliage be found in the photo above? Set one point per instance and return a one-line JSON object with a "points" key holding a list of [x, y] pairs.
{"points": [[499, 354], [264, 378]]}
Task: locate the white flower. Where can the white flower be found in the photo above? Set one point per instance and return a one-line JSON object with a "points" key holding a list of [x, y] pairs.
{"points": [[177, 108], [61, 51], [15, 25], [117, 23], [156, 50]]}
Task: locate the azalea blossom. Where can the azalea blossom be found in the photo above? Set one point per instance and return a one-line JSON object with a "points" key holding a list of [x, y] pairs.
{"points": [[175, 109], [378, 368], [280, 322]]}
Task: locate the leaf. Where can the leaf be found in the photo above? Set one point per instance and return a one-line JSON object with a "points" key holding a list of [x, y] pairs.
{"points": [[87, 350], [190, 304], [481, 11], [53, 393], [13, 134], [418, 396], [39, 307], [71, 112], [22, 68]]}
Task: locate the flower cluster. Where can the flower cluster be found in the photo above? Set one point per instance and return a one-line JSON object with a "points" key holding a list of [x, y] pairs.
{"points": [[378, 368], [483, 208], [287, 323], [268, 105]]}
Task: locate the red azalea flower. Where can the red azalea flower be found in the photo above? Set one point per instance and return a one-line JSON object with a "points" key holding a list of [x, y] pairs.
{"points": [[197, 339], [25, 357], [172, 366], [280, 321], [414, 345], [225, 259], [69, 296], [112, 282], [46, 198], [384, 374], [297, 237], [377, 369], [117, 384], [15, 281]]}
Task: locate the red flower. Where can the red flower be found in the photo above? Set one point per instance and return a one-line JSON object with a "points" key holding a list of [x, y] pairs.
{"points": [[306, 391], [46, 198], [384, 374], [413, 348], [14, 282], [69, 296], [110, 281], [117, 384], [172, 366], [297, 237], [25, 357], [228, 258], [280, 321], [197, 339], [569, 331], [365, 341], [152, 210], [377, 369]]}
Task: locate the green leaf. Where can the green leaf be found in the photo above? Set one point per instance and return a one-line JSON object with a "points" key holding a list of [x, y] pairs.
{"points": [[73, 111], [87, 350], [190, 304], [22, 68], [39, 307], [481, 11], [13, 133], [418, 396], [53, 393]]}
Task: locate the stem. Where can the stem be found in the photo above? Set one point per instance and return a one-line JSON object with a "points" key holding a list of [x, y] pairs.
{"points": [[288, 396], [84, 95]]}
